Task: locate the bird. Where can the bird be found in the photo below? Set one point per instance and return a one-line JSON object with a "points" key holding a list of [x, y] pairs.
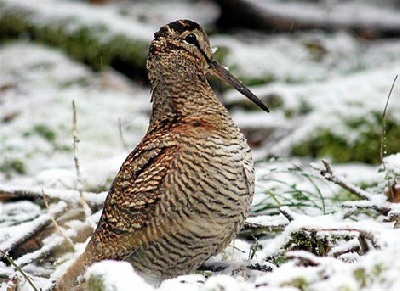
{"points": [[184, 192]]}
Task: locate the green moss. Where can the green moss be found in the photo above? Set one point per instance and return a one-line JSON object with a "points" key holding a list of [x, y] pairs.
{"points": [[377, 270], [344, 195], [12, 166], [44, 131], [308, 241], [93, 45], [319, 244], [366, 148], [299, 283], [94, 283], [12, 24], [360, 276], [367, 277], [279, 260]]}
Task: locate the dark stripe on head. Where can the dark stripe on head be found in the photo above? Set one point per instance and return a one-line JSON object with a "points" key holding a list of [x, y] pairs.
{"points": [[183, 25], [179, 26]]}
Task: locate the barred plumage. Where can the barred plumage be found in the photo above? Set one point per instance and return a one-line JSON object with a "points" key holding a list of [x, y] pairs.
{"points": [[183, 194]]}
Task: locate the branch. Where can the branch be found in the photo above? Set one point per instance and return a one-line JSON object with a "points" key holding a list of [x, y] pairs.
{"points": [[306, 258], [384, 209], [121, 135], [82, 201], [383, 132], [287, 213], [18, 268], [68, 240], [330, 176]]}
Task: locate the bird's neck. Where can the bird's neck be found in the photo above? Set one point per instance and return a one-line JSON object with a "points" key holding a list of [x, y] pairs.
{"points": [[181, 90]]}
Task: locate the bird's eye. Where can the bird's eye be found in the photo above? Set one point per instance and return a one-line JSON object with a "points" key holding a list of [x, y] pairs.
{"points": [[191, 39]]}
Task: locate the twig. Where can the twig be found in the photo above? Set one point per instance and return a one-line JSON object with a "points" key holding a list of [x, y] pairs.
{"points": [[83, 203], [18, 268], [286, 212], [384, 209], [329, 175], [75, 146], [21, 194], [121, 134], [51, 195], [69, 241], [253, 249], [306, 258], [367, 236], [260, 267], [383, 131]]}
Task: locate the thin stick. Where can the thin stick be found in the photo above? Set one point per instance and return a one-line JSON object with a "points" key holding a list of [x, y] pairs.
{"points": [[75, 146], [329, 175], [383, 131], [121, 135], [82, 201], [286, 212], [18, 268], [69, 241]]}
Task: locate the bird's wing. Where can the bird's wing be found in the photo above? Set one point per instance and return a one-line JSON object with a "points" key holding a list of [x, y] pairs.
{"points": [[137, 187], [132, 198]]}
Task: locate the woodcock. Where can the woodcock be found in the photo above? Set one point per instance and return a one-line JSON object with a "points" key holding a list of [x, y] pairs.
{"points": [[184, 193]]}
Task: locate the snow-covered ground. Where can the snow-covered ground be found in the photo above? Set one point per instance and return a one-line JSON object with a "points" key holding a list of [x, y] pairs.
{"points": [[38, 85]]}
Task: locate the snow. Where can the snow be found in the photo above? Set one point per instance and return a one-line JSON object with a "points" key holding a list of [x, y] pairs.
{"points": [[352, 79], [116, 276], [49, 100], [393, 162], [13, 232]]}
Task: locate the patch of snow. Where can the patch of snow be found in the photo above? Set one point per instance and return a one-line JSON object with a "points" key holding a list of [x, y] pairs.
{"points": [[116, 276], [225, 282], [193, 282], [46, 129]]}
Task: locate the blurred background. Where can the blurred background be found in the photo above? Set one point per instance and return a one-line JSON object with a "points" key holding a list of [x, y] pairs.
{"points": [[324, 67]]}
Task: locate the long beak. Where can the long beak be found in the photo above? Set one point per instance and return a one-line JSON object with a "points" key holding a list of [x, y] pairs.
{"points": [[219, 71]]}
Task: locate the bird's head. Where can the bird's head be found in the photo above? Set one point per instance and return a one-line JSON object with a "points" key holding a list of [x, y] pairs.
{"points": [[185, 44]]}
